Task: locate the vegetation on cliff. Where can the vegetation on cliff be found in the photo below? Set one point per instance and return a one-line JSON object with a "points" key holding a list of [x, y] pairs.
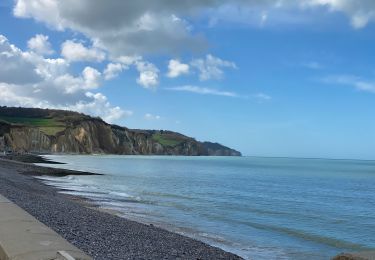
{"points": [[59, 131]]}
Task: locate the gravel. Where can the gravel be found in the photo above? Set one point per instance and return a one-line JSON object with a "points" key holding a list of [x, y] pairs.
{"points": [[99, 234]]}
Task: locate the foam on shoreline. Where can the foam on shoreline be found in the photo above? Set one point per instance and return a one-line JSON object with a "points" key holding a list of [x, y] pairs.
{"points": [[113, 238]]}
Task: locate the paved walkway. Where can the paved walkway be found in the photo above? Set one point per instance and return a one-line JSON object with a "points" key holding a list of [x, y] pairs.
{"points": [[22, 237]]}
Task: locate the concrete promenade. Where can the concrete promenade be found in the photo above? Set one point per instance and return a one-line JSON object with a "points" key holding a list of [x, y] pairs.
{"points": [[22, 237]]}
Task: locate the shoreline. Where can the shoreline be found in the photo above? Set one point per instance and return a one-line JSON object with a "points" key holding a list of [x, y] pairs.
{"points": [[27, 166], [207, 238], [97, 231], [184, 231], [17, 163]]}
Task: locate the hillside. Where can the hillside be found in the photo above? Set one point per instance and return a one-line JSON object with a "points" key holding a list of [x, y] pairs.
{"points": [[59, 131]]}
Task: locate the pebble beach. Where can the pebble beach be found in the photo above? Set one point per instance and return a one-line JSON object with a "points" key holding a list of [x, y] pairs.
{"points": [[97, 233]]}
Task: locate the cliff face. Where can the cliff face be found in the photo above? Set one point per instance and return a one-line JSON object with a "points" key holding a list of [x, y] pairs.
{"points": [[86, 135]]}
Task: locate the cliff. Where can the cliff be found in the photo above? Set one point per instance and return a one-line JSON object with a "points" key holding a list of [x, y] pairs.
{"points": [[57, 131]]}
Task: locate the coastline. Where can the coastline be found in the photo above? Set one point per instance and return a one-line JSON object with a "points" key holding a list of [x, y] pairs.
{"points": [[99, 233], [26, 166]]}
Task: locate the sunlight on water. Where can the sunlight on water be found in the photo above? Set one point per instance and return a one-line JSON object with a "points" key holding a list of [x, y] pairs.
{"points": [[268, 208]]}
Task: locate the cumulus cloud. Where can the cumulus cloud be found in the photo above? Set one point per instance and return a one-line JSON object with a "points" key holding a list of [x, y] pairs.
{"points": [[88, 80], [100, 106], [123, 27], [91, 77], [113, 70], [176, 68], [148, 74], [40, 44], [203, 91], [41, 10], [76, 51], [128, 60], [31, 80], [19, 67], [161, 26], [211, 67], [10, 97]]}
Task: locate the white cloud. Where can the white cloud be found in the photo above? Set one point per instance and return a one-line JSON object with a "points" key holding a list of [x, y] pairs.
{"points": [[19, 68], [211, 67], [128, 60], [262, 97], [113, 70], [68, 83], [353, 81], [291, 12], [91, 77], [88, 80], [365, 86], [10, 97], [148, 74], [40, 44], [42, 10], [149, 116], [143, 27], [204, 91], [33, 81], [76, 51], [101, 107], [360, 12], [176, 68], [126, 30], [49, 68], [122, 27]]}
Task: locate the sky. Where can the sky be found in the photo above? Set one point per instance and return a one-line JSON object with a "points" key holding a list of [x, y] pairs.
{"points": [[268, 78]]}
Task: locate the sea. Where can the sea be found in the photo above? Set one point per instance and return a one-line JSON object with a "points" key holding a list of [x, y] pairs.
{"points": [[258, 208]]}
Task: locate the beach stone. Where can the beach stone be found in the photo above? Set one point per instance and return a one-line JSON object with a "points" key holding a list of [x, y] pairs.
{"points": [[97, 233]]}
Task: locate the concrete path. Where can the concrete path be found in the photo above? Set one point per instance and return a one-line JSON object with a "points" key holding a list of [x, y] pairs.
{"points": [[22, 237]]}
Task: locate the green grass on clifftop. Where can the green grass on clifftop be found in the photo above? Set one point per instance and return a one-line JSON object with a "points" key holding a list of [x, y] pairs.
{"points": [[49, 126], [167, 139]]}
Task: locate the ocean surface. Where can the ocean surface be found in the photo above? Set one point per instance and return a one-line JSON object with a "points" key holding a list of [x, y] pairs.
{"points": [[259, 208]]}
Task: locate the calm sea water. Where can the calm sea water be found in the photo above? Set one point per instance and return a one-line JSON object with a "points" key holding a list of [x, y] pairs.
{"points": [[259, 208]]}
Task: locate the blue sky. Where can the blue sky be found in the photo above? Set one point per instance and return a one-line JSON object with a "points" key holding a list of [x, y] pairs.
{"points": [[269, 78]]}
